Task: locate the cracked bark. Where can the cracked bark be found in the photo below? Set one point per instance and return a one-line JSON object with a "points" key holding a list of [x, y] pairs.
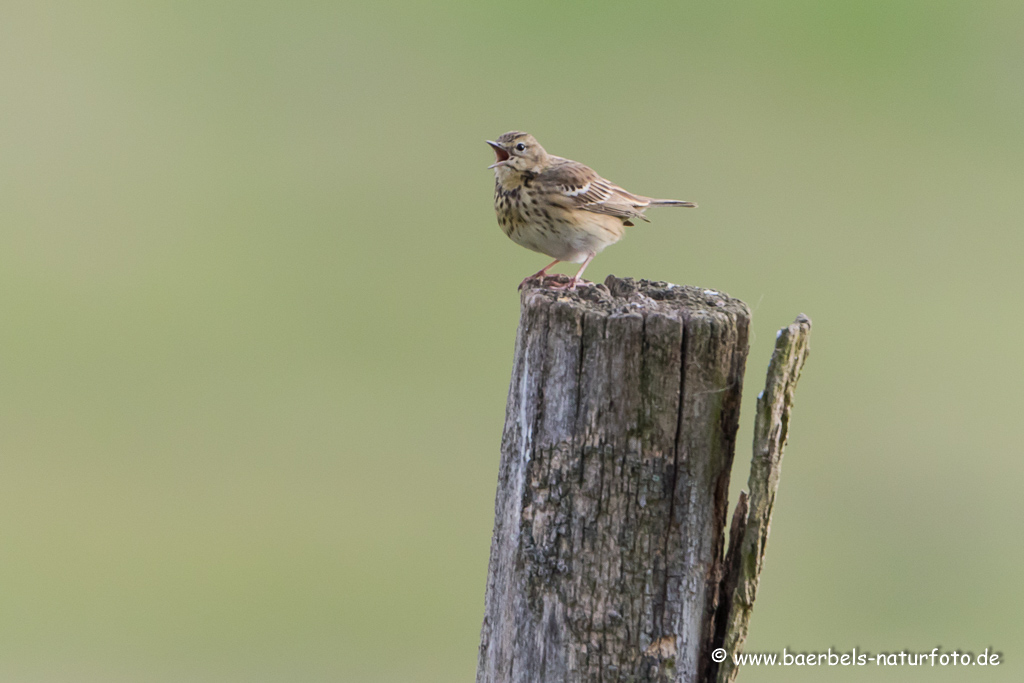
{"points": [[607, 557]]}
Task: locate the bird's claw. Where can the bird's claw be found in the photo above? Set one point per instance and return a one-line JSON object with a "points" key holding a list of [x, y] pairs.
{"points": [[571, 285], [556, 282], [533, 277]]}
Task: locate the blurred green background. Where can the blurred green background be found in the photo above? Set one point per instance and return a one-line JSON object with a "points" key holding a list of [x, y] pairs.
{"points": [[257, 317]]}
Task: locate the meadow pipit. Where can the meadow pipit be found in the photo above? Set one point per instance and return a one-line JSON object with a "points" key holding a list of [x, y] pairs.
{"points": [[560, 207]]}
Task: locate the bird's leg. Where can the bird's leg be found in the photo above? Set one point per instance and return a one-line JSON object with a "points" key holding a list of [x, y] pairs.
{"points": [[542, 273], [571, 285]]}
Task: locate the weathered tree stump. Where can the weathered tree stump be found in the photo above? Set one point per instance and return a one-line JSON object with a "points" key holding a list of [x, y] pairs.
{"points": [[607, 560]]}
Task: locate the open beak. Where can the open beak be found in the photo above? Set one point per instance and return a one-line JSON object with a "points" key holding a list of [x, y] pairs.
{"points": [[500, 153]]}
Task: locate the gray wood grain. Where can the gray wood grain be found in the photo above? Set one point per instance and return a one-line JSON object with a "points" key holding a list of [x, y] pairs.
{"points": [[752, 519], [607, 556]]}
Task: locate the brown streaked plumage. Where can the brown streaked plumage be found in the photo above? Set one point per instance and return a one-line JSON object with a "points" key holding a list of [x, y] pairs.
{"points": [[560, 207]]}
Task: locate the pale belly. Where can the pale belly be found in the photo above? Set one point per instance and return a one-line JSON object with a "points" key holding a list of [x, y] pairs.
{"points": [[563, 240]]}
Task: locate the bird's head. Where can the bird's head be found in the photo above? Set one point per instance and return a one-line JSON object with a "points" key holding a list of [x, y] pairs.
{"points": [[518, 152]]}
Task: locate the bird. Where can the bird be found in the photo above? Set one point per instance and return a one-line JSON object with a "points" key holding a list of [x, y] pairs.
{"points": [[559, 207]]}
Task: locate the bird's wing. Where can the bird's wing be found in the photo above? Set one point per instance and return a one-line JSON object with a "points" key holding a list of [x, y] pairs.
{"points": [[579, 187]]}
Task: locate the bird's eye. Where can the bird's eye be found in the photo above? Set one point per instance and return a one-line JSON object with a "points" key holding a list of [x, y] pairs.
{"points": [[521, 147]]}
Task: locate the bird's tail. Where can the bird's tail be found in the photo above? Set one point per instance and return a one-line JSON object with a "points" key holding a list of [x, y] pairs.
{"points": [[671, 202]]}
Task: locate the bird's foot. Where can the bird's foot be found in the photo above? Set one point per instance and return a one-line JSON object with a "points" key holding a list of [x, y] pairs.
{"points": [[571, 284], [536, 276], [542, 279], [556, 281]]}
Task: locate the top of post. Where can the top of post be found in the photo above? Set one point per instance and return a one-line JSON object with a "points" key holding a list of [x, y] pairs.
{"points": [[619, 296]]}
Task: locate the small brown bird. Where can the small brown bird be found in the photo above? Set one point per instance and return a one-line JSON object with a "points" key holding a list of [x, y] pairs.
{"points": [[560, 207]]}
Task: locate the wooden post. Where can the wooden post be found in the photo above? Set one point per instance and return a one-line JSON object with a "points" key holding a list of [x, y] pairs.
{"points": [[607, 559], [751, 522]]}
